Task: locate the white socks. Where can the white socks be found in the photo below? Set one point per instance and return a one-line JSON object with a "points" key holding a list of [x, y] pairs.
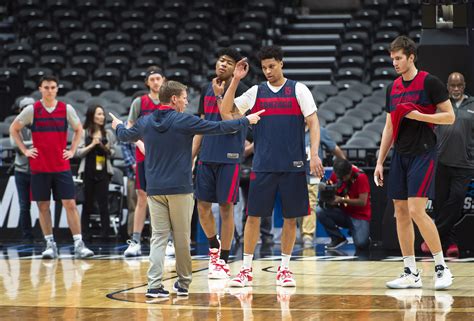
{"points": [[49, 238], [285, 260], [77, 238], [248, 261], [439, 258], [409, 262]]}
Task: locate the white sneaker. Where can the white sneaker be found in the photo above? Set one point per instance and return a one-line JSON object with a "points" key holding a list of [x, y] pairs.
{"points": [[170, 248], [81, 251], [134, 249], [285, 277], [214, 255], [51, 251], [406, 280], [219, 270], [443, 277], [242, 279]]}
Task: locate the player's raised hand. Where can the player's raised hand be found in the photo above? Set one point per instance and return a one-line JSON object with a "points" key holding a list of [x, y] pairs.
{"points": [[241, 68], [115, 121], [218, 86], [255, 117]]}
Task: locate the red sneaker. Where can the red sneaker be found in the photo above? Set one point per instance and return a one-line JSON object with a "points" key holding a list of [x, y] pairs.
{"points": [[452, 251], [424, 248], [243, 279], [285, 278]]}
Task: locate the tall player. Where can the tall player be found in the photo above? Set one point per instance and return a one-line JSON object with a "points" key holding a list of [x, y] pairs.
{"points": [[412, 102], [49, 158], [279, 164], [142, 106], [217, 177]]}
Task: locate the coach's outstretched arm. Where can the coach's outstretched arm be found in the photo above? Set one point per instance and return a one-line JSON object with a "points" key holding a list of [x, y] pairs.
{"points": [[126, 134], [227, 109]]}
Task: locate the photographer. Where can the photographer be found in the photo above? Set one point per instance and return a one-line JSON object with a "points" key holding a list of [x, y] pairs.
{"points": [[345, 202]]}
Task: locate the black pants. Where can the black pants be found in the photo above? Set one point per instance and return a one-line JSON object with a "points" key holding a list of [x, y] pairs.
{"points": [[96, 191], [451, 187], [265, 222], [22, 181]]}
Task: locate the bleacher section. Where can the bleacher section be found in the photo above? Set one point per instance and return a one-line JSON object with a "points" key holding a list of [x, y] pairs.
{"points": [[101, 49]]}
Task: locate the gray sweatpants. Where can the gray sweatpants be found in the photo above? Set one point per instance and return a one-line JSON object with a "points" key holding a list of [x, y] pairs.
{"points": [[170, 213]]}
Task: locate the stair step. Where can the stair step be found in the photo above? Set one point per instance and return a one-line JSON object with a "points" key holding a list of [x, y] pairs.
{"points": [[310, 62], [315, 28], [309, 74], [307, 39], [318, 51], [318, 18]]}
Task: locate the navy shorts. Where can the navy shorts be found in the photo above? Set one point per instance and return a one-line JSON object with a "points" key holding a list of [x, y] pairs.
{"points": [[217, 183], [412, 176], [291, 186], [60, 183], [140, 181]]}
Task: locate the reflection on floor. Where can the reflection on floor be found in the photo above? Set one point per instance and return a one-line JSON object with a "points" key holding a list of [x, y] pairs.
{"points": [[330, 286]]}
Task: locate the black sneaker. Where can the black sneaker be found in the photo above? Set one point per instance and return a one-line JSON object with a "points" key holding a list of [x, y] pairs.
{"points": [[157, 293], [179, 290], [336, 243]]}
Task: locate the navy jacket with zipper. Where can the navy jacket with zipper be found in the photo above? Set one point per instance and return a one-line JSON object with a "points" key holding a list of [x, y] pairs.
{"points": [[168, 137]]}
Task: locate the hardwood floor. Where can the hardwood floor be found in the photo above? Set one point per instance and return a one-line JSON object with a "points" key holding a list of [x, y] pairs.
{"points": [[113, 289]]}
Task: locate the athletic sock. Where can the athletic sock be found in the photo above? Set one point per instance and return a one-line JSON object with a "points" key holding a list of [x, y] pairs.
{"points": [[213, 242]]}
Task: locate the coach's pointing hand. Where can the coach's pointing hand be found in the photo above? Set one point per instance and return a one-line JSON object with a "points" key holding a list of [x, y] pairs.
{"points": [[254, 118], [115, 121]]}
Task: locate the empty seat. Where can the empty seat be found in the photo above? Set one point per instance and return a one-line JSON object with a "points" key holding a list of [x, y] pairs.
{"points": [[178, 74], [341, 128], [353, 121], [380, 48], [353, 95], [68, 26], [374, 136], [82, 37], [116, 109], [364, 89], [354, 73], [381, 61], [193, 51], [376, 127], [335, 107], [21, 62], [380, 100], [365, 116], [352, 61], [113, 96], [96, 101], [47, 37], [329, 90], [182, 62], [189, 38], [37, 72], [87, 49], [136, 74], [109, 75], [326, 114], [95, 87], [200, 27], [58, 49], [164, 27], [53, 62], [351, 49], [370, 107], [380, 83], [386, 35], [346, 102], [119, 62], [154, 38], [64, 14], [80, 96], [361, 142], [98, 14], [117, 37], [130, 87], [391, 25], [75, 75], [384, 73], [100, 27], [88, 63], [120, 49], [159, 50], [133, 27], [39, 25], [361, 37], [147, 61], [359, 25]]}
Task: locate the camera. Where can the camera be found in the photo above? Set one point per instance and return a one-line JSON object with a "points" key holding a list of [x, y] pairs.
{"points": [[327, 194]]}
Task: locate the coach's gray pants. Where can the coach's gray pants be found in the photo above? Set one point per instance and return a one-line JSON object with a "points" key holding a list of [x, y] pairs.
{"points": [[170, 213]]}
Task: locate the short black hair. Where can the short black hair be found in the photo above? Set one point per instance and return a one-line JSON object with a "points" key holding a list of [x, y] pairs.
{"points": [[342, 167], [48, 78], [231, 52], [269, 52]]}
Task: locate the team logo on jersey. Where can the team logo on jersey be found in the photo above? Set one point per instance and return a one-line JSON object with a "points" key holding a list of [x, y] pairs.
{"points": [[298, 163], [233, 155], [287, 91]]}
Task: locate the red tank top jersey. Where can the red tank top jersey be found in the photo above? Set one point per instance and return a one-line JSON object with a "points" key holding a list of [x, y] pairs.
{"points": [[49, 134]]}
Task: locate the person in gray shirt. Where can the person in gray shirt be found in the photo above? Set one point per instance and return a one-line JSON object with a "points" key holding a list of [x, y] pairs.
{"points": [[22, 177], [455, 167]]}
